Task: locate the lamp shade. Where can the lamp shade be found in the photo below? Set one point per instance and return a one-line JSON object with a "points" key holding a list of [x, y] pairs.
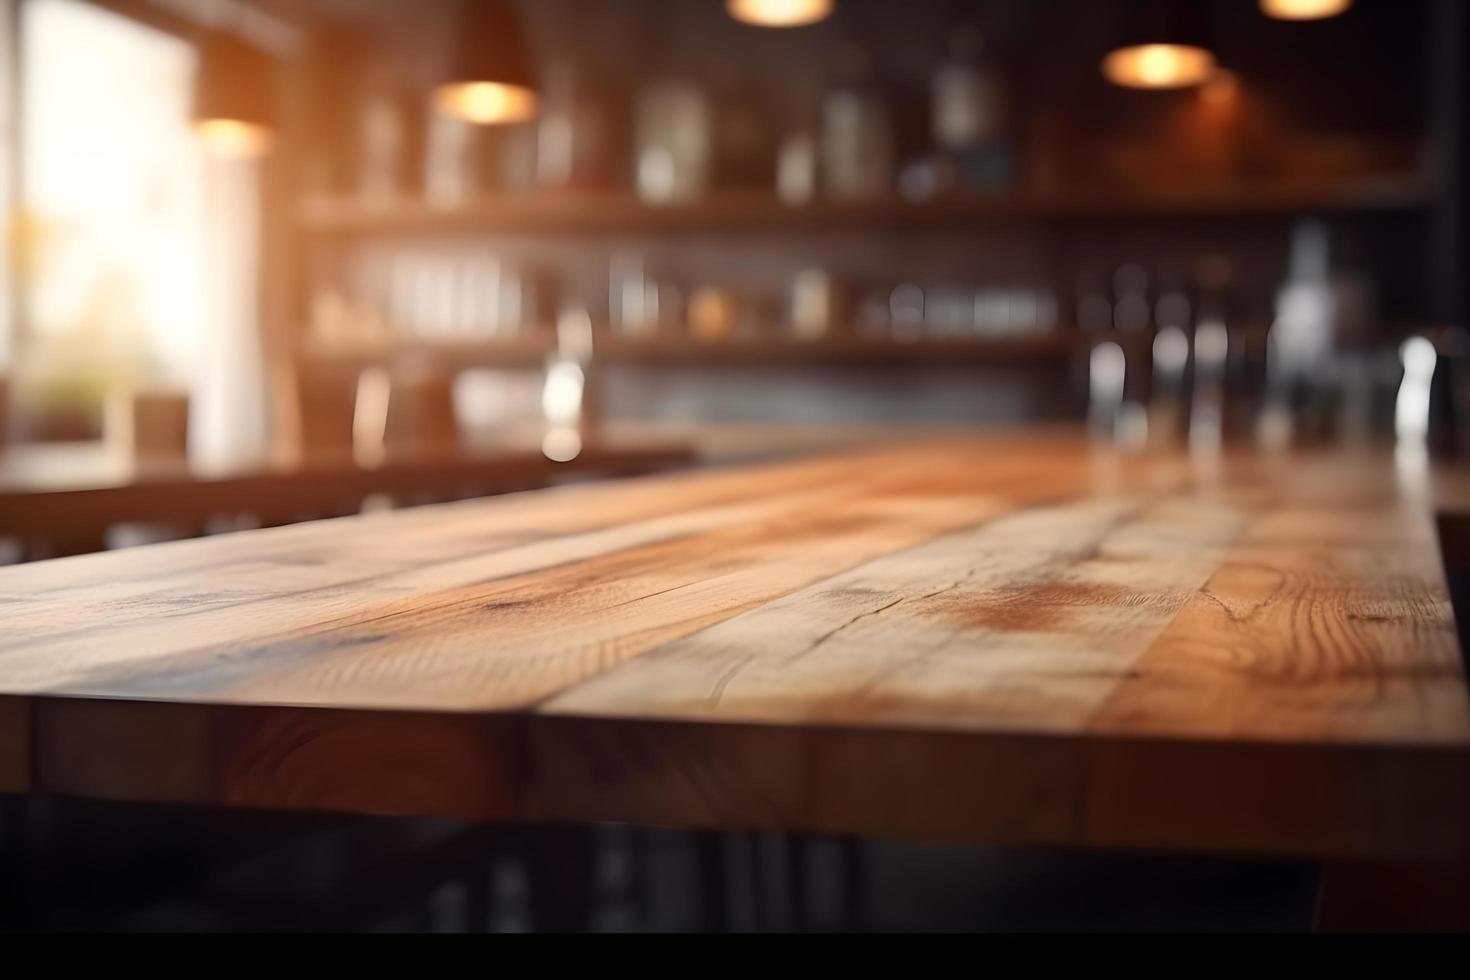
{"points": [[779, 13], [490, 75], [1159, 44], [1304, 9], [234, 95]]}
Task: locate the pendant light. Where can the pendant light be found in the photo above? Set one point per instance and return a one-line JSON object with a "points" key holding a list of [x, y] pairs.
{"points": [[1304, 9], [234, 96], [779, 13], [1159, 44], [491, 78]]}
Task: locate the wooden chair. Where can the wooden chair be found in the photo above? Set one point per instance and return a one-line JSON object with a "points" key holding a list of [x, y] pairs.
{"points": [[151, 427], [317, 409], [421, 417]]}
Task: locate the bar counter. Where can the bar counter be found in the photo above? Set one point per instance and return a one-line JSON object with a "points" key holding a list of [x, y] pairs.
{"points": [[1003, 640]]}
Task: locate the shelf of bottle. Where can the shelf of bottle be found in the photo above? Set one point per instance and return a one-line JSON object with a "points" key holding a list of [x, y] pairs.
{"points": [[842, 348], [583, 213]]}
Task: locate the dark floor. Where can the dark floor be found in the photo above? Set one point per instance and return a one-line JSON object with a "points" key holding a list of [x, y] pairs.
{"points": [[71, 865]]}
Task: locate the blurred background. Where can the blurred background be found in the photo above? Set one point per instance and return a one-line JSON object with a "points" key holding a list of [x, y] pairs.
{"points": [[273, 260], [246, 236]]}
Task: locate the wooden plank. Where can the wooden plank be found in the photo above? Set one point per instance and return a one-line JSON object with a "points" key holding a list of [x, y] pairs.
{"points": [[540, 608], [121, 750], [612, 214], [453, 765], [1328, 619], [1290, 800], [1030, 620], [1014, 641]]}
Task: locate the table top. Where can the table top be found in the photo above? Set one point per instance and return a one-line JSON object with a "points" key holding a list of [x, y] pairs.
{"points": [[1008, 640]]}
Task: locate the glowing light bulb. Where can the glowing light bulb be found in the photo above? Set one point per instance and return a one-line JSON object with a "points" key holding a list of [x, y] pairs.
{"points": [[485, 103], [780, 13], [233, 138], [1158, 66], [1304, 9]]}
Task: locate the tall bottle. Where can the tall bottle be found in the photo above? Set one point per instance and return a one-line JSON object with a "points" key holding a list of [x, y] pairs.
{"points": [[577, 147], [1133, 328], [971, 118], [743, 140], [675, 138], [1301, 341], [857, 134]]}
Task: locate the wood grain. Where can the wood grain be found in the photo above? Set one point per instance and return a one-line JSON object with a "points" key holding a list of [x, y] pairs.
{"points": [[1002, 640]]}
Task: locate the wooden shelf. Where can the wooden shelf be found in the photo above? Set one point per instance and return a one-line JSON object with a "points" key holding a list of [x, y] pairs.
{"points": [[624, 214], [529, 348], [532, 350], [834, 351]]}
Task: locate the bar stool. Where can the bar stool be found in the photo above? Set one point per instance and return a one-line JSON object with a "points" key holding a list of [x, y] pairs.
{"points": [[150, 429]]}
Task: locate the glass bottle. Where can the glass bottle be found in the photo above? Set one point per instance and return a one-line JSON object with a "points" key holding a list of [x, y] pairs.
{"points": [[744, 145], [575, 135], [857, 134], [970, 115], [674, 142]]}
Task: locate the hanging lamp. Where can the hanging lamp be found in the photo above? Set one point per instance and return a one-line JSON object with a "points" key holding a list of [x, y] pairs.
{"points": [[779, 13], [1159, 44], [491, 76], [1304, 9], [234, 96]]}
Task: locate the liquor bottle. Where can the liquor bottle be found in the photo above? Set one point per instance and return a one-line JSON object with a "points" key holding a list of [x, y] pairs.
{"points": [[674, 142], [857, 134], [576, 142], [743, 151], [970, 115]]}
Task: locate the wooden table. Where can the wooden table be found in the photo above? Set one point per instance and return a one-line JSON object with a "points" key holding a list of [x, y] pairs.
{"points": [[1013, 641], [68, 495]]}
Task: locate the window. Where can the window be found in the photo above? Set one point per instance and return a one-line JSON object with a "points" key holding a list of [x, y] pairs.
{"points": [[111, 228]]}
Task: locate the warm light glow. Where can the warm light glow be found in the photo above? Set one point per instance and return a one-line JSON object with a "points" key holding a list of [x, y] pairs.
{"points": [[233, 138], [779, 13], [1304, 9], [1222, 88], [485, 103], [115, 227], [1158, 66]]}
